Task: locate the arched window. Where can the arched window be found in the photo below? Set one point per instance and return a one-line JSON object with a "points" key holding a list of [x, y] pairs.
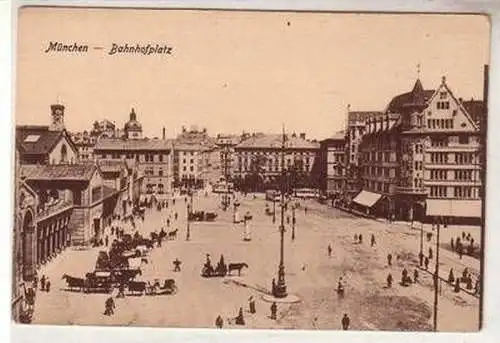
{"points": [[64, 154]]}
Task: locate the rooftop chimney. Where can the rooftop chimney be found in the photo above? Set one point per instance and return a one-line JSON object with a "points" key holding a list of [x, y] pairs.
{"points": [[163, 131]]}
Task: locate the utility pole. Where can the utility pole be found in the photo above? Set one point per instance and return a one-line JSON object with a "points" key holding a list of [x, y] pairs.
{"points": [[421, 243], [436, 279], [280, 290]]}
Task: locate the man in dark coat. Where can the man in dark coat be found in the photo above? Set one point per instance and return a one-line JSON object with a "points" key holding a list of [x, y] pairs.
{"points": [[219, 322], [274, 310], [389, 280], [251, 305], [345, 322], [239, 320], [109, 306], [389, 259], [177, 265]]}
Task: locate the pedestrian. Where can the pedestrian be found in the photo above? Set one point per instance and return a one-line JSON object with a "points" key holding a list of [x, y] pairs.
{"points": [[457, 243], [457, 286], [109, 306], [176, 215], [468, 285], [274, 310], [430, 253], [360, 238], [274, 287], [42, 283], [372, 241], [415, 275], [35, 281], [460, 251], [421, 258], [329, 250], [47, 285], [106, 240], [355, 238], [121, 291], [219, 322], [472, 241], [451, 277], [389, 259], [404, 276], [452, 245], [251, 305], [239, 320], [345, 322], [389, 280], [426, 262], [177, 265], [463, 235], [305, 210]]}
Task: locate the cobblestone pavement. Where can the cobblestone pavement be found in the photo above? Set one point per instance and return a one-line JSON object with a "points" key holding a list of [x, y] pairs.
{"points": [[310, 273]]}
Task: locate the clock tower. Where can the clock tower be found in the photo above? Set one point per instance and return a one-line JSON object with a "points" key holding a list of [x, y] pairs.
{"points": [[57, 114]]}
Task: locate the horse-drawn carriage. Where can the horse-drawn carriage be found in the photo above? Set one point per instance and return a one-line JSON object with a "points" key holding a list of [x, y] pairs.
{"points": [[209, 271], [200, 216], [98, 282]]}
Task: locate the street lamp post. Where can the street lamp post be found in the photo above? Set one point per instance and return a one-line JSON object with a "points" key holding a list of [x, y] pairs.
{"points": [[436, 279], [189, 208], [293, 222], [280, 289], [274, 210]]}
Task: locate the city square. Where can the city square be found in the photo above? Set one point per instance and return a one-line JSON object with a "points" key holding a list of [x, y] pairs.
{"points": [[310, 274], [288, 180]]}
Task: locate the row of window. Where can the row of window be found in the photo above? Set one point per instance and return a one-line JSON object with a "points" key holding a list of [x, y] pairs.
{"points": [[138, 157], [440, 123], [465, 192], [443, 105], [380, 187], [379, 171], [379, 156]]}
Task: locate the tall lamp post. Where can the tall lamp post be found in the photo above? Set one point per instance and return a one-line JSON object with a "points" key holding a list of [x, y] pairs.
{"points": [[189, 208], [293, 221], [274, 209], [280, 289], [436, 280]]}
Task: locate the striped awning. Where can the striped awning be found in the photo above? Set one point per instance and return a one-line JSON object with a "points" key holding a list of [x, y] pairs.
{"points": [[367, 199], [454, 208]]}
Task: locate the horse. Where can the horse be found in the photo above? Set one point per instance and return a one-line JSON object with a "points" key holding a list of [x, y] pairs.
{"points": [[172, 234], [137, 286], [236, 266], [74, 282]]}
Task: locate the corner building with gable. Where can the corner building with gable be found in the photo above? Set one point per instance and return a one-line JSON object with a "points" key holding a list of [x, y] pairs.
{"points": [[420, 159]]}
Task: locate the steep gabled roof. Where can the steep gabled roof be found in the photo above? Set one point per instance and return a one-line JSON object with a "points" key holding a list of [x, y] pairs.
{"points": [[416, 99], [36, 139]]}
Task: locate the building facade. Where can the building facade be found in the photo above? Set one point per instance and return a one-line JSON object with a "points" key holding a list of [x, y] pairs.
{"points": [[258, 160], [421, 159], [333, 165], [190, 164], [153, 157]]}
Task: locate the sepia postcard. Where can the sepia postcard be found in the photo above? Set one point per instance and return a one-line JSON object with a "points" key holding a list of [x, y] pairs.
{"points": [[234, 169]]}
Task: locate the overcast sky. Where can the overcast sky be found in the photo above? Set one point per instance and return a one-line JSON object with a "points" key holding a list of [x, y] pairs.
{"points": [[232, 71]]}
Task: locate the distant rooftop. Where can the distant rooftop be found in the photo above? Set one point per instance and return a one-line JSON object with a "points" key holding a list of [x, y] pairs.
{"points": [[275, 140], [132, 144]]}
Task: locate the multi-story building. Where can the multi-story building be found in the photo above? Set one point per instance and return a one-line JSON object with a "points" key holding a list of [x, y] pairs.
{"points": [[225, 148], [190, 164], [84, 143], [258, 159], [356, 125], [333, 165], [154, 158], [422, 157]]}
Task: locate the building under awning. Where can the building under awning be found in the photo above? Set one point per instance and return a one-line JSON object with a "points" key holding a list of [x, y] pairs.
{"points": [[454, 208], [367, 199]]}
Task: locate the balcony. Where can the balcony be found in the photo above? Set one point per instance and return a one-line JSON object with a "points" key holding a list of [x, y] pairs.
{"points": [[452, 182], [411, 190], [49, 209]]}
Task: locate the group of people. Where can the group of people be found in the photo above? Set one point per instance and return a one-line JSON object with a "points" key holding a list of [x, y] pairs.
{"points": [[458, 244], [240, 319], [358, 239]]}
